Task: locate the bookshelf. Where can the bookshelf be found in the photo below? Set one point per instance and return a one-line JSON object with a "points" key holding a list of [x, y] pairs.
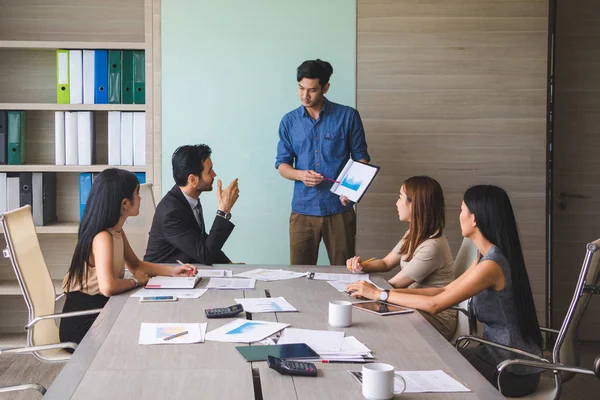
{"points": [[30, 33]]}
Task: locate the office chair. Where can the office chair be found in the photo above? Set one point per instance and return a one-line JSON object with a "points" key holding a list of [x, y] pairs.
{"points": [[137, 228]]}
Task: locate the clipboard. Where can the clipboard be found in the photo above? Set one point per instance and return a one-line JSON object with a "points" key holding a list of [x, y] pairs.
{"points": [[354, 180]]}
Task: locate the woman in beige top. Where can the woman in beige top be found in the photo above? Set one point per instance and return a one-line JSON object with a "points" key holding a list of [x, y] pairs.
{"points": [[102, 252], [423, 253]]}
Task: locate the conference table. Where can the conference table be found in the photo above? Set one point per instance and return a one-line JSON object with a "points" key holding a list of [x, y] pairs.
{"points": [[110, 364]]}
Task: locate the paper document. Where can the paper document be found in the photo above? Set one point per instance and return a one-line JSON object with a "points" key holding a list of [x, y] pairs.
{"points": [[352, 350], [319, 341], [422, 382], [179, 293], [348, 278], [172, 282], [354, 180], [341, 286], [231, 283], [265, 304], [244, 331], [214, 273], [156, 333], [266, 275]]}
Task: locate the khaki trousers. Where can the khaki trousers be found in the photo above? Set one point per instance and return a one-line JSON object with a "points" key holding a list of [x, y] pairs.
{"points": [[338, 232]]}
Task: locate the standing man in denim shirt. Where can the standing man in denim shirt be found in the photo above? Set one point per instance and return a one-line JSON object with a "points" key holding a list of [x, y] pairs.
{"points": [[315, 142]]}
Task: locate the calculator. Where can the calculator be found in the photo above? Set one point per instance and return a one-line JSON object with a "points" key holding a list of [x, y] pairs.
{"points": [[288, 367], [224, 312]]}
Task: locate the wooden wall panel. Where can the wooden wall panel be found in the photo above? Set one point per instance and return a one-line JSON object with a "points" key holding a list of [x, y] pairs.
{"points": [[455, 90]]}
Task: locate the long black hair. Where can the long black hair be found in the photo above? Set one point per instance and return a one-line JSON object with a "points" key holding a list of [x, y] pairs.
{"points": [[102, 211], [496, 221]]}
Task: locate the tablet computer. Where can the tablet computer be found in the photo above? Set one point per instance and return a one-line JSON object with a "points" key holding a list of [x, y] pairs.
{"points": [[381, 307], [292, 350]]}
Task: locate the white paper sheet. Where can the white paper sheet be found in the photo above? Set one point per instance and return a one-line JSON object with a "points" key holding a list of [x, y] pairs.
{"points": [[341, 286], [265, 304], [172, 282], [179, 293], [244, 331], [430, 381], [231, 283], [267, 275], [348, 278], [319, 341], [214, 273], [155, 333]]}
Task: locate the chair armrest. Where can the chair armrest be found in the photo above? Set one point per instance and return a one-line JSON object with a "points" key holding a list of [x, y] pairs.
{"points": [[17, 388], [30, 349], [59, 296], [499, 346], [62, 315], [462, 310], [549, 330]]}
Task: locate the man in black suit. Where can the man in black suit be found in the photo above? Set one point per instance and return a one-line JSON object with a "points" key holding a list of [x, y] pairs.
{"points": [[178, 231]]}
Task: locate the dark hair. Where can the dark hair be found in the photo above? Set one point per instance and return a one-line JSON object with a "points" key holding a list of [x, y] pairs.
{"points": [[188, 160], [315, 69], [496, 222], [428, 212], [102, 211]]}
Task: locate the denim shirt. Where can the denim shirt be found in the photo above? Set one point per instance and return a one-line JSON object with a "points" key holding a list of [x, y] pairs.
{"points": [[324, 146]]}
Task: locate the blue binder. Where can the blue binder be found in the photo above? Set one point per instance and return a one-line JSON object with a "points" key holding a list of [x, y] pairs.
{"points": [[85, 185], [141, 177], [101, 76]]}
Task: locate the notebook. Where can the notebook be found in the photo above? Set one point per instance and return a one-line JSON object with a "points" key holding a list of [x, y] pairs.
{"points": [[173, 282]]}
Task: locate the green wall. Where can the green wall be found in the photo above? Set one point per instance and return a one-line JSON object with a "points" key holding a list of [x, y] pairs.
{"points": [[228, 76]]}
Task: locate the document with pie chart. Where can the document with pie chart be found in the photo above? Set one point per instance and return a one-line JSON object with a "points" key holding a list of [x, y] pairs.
{"points": [[354, 180]]}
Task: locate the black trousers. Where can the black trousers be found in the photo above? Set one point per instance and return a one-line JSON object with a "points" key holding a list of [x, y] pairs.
{"points": [[513, 385], [74, 329]]}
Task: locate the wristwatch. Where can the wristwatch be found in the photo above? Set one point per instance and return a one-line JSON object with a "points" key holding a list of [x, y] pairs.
{"points": [[224, 214], [383, 296]]}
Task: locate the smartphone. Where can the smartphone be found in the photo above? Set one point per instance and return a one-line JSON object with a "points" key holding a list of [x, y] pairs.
{"points": [[150, 299]]}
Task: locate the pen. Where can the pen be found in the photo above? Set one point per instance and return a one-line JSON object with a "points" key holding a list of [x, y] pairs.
{"points": [[331, 180], [345, 362], [180, 263], [363, 262], [176, 335]]}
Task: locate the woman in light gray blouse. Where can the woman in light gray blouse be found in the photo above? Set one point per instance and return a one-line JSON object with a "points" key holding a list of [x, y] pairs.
{"points": [[498, 283]]}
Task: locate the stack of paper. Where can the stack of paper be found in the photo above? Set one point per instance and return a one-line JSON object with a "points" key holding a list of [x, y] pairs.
{"points": [[265, 304], [179, 293], [352, 351], [347, 278], [342, 286], [244, 331], [436, 381], [331, 345], [156, 333], [172, 282], [214, 273], [267, 275], [231, 284]]}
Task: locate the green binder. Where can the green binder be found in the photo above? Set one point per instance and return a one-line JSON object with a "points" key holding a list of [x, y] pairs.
{"points": [[62, 77], [127, 85], [16, 137], [114, 76], [139, 77]]}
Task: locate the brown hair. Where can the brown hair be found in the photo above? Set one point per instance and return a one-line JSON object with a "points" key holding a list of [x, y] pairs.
{"points": [[428, 212]]}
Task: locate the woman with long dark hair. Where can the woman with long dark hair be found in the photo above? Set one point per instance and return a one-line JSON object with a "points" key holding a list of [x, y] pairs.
{"points": [[498, 283], [102, 252], [423, 253]]}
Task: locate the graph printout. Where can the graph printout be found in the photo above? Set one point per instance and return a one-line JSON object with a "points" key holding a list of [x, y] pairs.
{"points": [[354, 180]]}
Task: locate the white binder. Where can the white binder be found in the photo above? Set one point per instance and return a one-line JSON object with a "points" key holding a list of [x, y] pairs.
{"points": [[13, 192], [139, 138], [127, 138], [3, 193], [76, 76], [70, 138], [88, 76], [114, 138], [85, 138], [59, 137]]}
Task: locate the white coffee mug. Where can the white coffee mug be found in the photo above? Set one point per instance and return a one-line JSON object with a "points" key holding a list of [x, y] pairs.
{"points": [[340, 313], [378, 381]]}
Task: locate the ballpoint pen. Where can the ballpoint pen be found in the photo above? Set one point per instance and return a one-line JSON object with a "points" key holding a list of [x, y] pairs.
{"points": [[331, 180], [176, 335], [191, 273]]}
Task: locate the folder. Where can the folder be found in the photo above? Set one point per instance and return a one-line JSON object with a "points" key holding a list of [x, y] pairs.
{"points": [[13, 192], [75, 76], [139, 138], [101, 76], [3, 138], [70, 138], [3, 193], [114, 76], [139, 77], [44, 198], [85, 185], [25, 197], [62, 77], [141, 177], [85, 138], [16, 137], [89, 86], [59, 137], [126, 138], [114, 138], [127, 74]]}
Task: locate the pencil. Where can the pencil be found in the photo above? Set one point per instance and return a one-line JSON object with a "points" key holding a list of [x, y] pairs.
{"points": [[331, 180], [363, 262], [176, 335]]}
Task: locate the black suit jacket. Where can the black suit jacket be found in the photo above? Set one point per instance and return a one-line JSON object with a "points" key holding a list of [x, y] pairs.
{"points": [[175, 234]]}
